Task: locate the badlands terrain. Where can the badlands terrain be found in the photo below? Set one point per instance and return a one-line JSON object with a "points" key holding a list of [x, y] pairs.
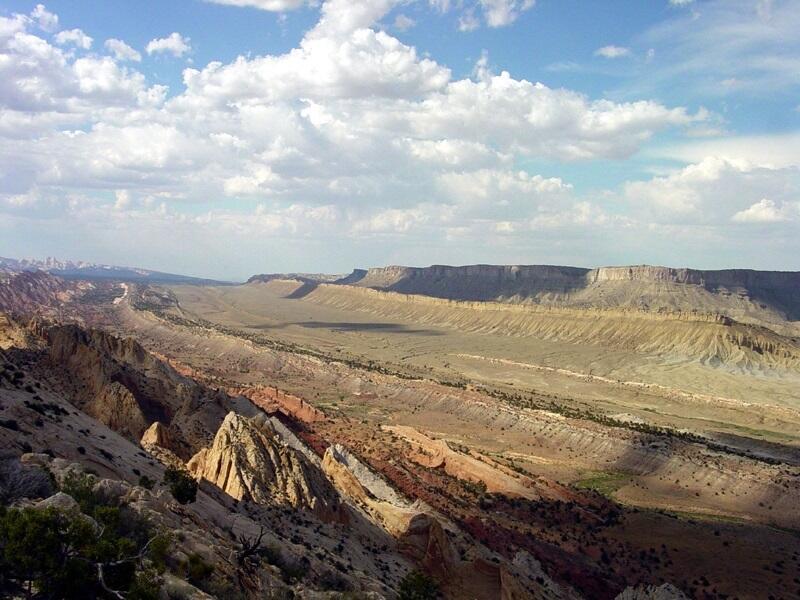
{"points": [[490, 432]]}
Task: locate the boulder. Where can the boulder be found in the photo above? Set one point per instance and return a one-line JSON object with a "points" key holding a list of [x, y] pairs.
{"points": [[60, 501]]}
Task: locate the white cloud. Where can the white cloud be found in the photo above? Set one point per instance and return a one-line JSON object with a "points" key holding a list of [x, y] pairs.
{"points": [[403, 22], [495, 13], [680, 2], [270, 5], [612, 52], [122, 199], [76, 37], [775, 150], [122, 51], [766, 211], [468, 21], [499, 13], [716, 190], [351, 133], [44, 18], [174, 44]]}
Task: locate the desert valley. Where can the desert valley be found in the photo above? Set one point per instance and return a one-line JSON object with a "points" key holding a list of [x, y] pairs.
{"points": [[500, 432], [400, 300]]}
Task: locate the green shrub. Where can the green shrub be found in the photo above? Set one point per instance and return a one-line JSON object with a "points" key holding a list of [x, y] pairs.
{"points": [[36, 549], [197, 569], [145, 586], [418, 586], [58, 553], [79, 486], [182, 486]]}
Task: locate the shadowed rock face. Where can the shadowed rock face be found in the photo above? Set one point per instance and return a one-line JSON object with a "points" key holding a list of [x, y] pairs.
{"points": [[473, 282], [119, 383]]}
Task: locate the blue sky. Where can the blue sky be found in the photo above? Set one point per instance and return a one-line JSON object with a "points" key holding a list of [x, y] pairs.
{"points": [[238, 136]]}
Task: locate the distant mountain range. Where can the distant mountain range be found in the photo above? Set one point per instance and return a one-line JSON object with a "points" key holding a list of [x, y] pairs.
{"points": [[86, 270]]}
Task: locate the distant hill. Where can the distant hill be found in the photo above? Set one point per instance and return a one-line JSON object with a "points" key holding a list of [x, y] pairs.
{"points": [[770, 298], [304, 277], [68, 269]]}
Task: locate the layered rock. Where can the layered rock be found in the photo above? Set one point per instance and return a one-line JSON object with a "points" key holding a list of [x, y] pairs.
{"points": [[249, 460], [473, 282], [436, 454], [369, 492], [36, 292], [119, 383], [273, 400], [765, 296], [707, 337]]}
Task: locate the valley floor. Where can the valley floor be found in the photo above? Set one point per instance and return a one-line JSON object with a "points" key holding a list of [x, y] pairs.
{"points": [[683, 494]]}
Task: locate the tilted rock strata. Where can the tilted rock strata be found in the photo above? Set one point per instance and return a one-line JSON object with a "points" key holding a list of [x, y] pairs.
{"points": [[248, 460]]}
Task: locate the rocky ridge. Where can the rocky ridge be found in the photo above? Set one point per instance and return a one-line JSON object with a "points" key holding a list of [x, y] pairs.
{"points": [[249, 460], [765, 297]]}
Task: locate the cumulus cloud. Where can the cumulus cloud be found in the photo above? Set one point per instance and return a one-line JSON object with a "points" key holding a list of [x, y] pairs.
{"points": [[174, 44], [44, 18], [499, 13], [766, 211], [715, 190], [612, 52], [76, 37], [351, 134], [122, 51]]}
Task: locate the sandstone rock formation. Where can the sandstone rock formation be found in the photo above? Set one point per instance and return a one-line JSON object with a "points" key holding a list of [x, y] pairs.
{"points": [[248, 460], [122, 385], [710, 338], [479, 469], [158, 442], [271, 400], [156, 435], [367, 491]]}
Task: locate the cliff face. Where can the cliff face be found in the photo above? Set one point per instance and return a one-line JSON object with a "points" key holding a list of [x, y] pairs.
{"points": [[116, 381], [778, 281], [475, 282], [763, 297]]}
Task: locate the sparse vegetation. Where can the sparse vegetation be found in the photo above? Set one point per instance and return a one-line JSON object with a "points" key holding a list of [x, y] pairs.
{"points": [[603, 482], [418, 586], [182, 486], [99, 551]]}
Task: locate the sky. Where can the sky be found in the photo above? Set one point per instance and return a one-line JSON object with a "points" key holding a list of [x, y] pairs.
{"points": [[223, 138]]}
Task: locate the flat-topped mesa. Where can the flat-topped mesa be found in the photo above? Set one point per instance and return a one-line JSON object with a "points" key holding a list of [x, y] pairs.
{"points": [[770, 298], [474, 282], [729, 278]]}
